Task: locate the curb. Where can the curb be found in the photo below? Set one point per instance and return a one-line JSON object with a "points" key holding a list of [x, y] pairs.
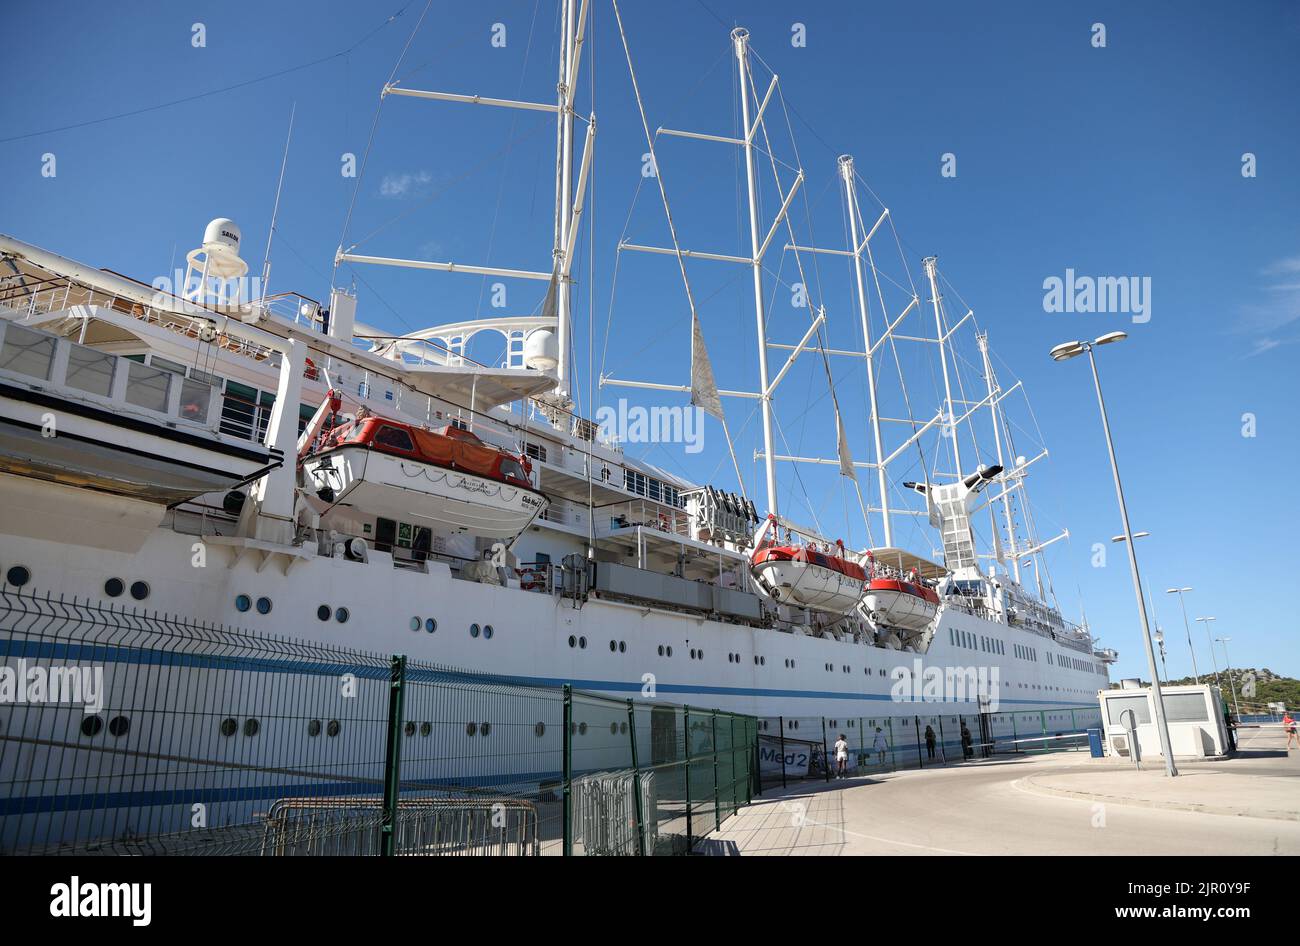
{"points": [[1029, 784]]}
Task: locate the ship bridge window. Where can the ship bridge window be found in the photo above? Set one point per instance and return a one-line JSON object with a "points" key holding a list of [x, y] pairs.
{"points": [[27, 352], [394, 438], [147, 387], [90, 371]]}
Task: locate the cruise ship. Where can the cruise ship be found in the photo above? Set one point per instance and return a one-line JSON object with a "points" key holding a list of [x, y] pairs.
{"points": [[277, 463]]}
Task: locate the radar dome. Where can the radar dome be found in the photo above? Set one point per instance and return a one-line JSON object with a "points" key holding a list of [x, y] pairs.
{"points": [[541, 350], [222, 237]]}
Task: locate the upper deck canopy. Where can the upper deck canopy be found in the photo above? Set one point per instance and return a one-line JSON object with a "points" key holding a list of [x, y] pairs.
{"points": [[905, 561]]}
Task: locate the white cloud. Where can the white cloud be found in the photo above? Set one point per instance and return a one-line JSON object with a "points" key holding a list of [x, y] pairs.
{"points": [[406, 184], [1278, 310]]}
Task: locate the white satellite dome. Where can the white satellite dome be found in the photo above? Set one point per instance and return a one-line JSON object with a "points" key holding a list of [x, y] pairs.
{"points": [[221, 237], [541, 350]]}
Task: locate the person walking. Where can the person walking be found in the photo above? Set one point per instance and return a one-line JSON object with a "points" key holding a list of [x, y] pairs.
{"points": [[1288, 726], [841, 757], [966, 750], [929, 741], [880, 745]]}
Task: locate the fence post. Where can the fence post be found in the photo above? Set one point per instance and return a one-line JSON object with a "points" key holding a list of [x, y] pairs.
{"points": [[755, 772], [826, 761], [717, 807], [781, 720], [943, 751], [1015, 736], [686, 741], [920, 763], [393, 759], [636, 780], [568, 770]]}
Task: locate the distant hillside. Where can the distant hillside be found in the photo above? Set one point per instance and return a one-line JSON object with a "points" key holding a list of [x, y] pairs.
{"points": [[1268, 686]]}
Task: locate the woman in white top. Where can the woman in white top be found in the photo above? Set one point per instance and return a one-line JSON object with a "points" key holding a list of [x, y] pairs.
{"points": [[841, 756]]}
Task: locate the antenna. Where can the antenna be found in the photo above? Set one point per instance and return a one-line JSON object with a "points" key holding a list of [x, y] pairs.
{"points": [[275, 211]]}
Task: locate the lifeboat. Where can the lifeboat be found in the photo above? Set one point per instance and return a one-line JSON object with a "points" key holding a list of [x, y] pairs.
{"points": [[807, 578], [895, 602], [447, 477]]}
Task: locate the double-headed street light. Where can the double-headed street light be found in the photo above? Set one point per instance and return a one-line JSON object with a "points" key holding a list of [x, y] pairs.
{"points": [[1228, 670], [1183, 601], [1065, 352], [1213, 660]]}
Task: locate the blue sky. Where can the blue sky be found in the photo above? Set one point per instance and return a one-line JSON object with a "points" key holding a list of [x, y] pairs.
{"points": [[1123, 160]]}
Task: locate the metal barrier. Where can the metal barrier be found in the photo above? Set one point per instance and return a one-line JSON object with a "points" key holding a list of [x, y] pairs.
{"points": [[210, 739]]}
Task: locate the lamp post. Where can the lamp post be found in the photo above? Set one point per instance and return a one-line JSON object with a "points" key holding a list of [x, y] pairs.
{"points": [[1228, 670], [1213, 660], [1159, 632], [1180, 592], [1160, 642], [1064, 352]]}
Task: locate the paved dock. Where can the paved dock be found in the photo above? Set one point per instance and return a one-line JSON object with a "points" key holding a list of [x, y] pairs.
{"points": [[1060, 803]]}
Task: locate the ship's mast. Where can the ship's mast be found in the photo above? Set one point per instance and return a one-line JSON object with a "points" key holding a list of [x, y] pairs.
{"points": [[995, 411], [851, 198], [931, 270], [740, 37], [564, 186]]}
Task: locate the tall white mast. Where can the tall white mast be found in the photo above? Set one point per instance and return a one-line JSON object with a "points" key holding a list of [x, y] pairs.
{"points": [[851, 198], [564, 191], [995, 411], [740, 37], [931, 269]]}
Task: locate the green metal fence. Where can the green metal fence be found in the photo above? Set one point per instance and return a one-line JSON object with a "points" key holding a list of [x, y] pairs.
{"points": [[801, 747], [201, 739]]}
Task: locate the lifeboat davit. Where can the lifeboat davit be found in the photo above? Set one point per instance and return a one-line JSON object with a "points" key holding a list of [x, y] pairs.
{"points": [[448, 478], [802, 576], [897, 603]]}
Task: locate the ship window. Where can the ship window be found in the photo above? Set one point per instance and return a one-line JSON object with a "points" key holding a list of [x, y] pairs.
{"points": [[195, 397], [341, 615], [536, 451], [313, 728], [90, 371], [487, 632], [416, 623], [333, 728], [473, 630], [395, 438], [92, 725], [119, 726], [147, 387], [263, 605], [243, 602], [430, 625], [114, 587], [139, 590], [27, 352], [323, 612], [426, 728], [251, 727], [622, 647]]}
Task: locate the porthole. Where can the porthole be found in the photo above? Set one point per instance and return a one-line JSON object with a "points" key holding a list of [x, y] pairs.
{"points": [[426, 728], [430, 625], [582, 729], [263, 604], [119, 726], [229, 727], [539, 730], [622, 647], [573, 641], [341, 615], [582, 643], [416, 624], [114, 587], [473, 630], [622, 728], [333, 728], [488, 632], [323, 612], [471, 729], [762, 661], [18, 576], [92, 725], [613, 646], [409, 729], [613, 729], [661, 650], [243, 602], [251, 727], [313, 728], [669, 650], [692, 653], [139, 590]]}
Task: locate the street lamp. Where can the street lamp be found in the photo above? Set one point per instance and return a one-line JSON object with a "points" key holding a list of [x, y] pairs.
{"points": [[1213, 660], [1180, 592], [1065, 352], [1228, 670], [1160, 642]]}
